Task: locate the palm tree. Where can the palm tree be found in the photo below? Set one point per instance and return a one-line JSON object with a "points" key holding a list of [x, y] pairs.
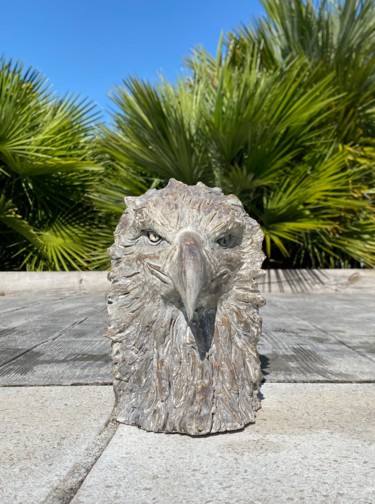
{"points": [[338, 38], [335, 37], [47, 220], [269, 124]]}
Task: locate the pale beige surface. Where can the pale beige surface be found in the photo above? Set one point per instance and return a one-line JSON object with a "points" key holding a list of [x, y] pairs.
{"points": [[44, 432], [312, 443]]}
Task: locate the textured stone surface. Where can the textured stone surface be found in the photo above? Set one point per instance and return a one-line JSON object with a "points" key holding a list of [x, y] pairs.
{"points": [[311, 338], [26, 323], [318, 338], [52, 282], [54, 341], [183, 311], [47, 283], [311, 443], [44, 433]]}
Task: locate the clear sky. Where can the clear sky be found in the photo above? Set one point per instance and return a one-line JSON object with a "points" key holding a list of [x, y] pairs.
{"points": [[88, 46]]}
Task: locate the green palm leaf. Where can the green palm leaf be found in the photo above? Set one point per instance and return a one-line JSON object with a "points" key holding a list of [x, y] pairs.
{"points": [[46, 170], [283, 116]]}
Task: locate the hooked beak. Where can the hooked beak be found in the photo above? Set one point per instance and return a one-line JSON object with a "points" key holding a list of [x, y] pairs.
{"points": [[190, 271]]}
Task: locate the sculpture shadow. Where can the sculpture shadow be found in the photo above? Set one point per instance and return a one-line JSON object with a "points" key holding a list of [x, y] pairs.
{"points": [[264, 364]]}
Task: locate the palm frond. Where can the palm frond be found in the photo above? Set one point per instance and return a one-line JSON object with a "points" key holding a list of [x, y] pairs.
{"points": [[46, 170], [283, 116]]}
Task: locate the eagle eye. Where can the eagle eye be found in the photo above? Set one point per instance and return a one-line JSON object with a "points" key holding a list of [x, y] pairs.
{"points": [[228, 241], [153, 237]]}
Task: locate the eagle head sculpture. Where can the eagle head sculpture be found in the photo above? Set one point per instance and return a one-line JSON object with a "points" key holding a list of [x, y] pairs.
{"points": [[183, 311]]}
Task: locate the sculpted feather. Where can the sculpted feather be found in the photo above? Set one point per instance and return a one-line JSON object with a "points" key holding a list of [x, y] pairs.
{"points": [[183, 311]]}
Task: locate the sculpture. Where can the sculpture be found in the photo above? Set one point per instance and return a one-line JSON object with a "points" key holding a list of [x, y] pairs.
{"points": [[183, 311]]}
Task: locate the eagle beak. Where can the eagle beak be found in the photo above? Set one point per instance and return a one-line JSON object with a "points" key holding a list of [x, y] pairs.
{"points": [[190, 271]]}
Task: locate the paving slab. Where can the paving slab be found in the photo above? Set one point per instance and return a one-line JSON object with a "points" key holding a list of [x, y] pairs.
{"points": [[311, 443], [44, 433], [62, 362], [328, 337], [57, 342], [318, 338], [31, 322], [313, 440]]}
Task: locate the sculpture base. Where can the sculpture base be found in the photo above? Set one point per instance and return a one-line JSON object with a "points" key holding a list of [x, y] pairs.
{"points": [[195, 423]]}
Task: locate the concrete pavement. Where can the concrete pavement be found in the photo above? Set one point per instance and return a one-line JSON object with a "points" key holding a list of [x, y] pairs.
{"points": [[313, 441], [45, 432], [308, 445]]}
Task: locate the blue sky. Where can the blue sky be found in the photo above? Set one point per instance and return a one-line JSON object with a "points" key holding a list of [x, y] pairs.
{"points": [[87, 47]]}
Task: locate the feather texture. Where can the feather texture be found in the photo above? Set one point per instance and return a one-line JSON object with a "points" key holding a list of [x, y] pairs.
{"points": [[183, 311]]}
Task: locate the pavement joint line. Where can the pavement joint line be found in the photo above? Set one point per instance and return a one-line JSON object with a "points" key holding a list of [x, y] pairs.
{"points": [[68, 487], [54, 338], [108, 384], [80, 384], [323, 382]]}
